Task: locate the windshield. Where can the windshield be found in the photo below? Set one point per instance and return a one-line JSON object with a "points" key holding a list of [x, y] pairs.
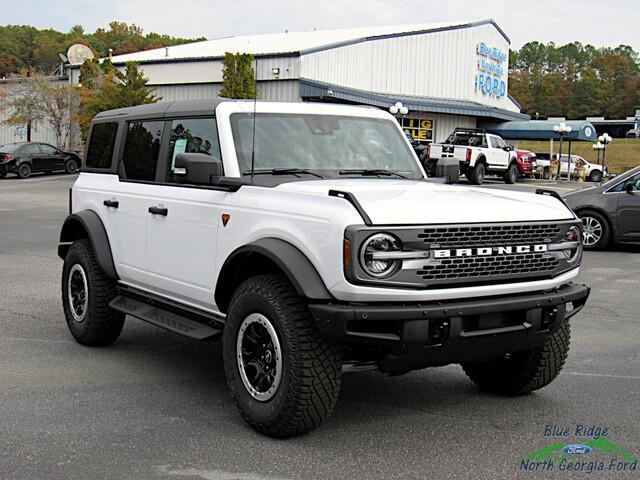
{"points": [[328, 145], [10, 148], [623, 175]]}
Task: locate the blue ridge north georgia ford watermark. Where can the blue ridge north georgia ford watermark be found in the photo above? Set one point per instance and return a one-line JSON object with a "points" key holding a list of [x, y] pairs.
{"points": [[585, 449]]}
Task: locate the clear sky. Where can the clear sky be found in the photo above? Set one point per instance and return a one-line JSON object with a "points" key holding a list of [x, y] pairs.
{"points": [[602, 23]]}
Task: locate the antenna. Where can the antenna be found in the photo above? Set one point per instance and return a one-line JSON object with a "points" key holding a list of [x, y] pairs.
{"points": [[78, 53], [255, 101]]}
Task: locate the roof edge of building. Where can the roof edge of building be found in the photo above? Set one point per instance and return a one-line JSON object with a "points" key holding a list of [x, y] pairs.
{"points": [[315, 89]]}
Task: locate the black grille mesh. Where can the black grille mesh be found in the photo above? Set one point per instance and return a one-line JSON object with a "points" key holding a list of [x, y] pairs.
{"points": [[489, 235], [489, 266]]}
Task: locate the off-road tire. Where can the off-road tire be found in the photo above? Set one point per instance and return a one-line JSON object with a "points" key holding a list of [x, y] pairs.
{"points": [[24, 170], [606, 230], [526, 371], [311, 364], [511, 175], [71, 166], [101, 324], [595, 176], [476, 174]]}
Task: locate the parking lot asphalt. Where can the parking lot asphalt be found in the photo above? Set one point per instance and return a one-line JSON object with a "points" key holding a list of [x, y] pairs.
{"points": [[155, 405]]}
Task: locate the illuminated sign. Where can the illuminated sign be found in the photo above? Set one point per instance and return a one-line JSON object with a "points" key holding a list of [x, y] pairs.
{"points": [[490, 79]]}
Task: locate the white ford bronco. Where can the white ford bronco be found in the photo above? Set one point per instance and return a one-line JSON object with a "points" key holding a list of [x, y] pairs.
{"points": [[477, 153], [309, 239]]}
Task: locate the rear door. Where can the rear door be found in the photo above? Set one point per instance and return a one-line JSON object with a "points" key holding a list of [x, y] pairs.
{"points": [[181, 245], [125, 204], [32, 152], [628, 213]]}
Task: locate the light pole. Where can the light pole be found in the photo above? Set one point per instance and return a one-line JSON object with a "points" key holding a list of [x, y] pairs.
{"points": [[605, 139], [598, 147], [398, 108], [563, 129]]}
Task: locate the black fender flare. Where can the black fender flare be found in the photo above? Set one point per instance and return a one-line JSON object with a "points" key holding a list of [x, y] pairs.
{"points": [[288, 258], [87, 224]]}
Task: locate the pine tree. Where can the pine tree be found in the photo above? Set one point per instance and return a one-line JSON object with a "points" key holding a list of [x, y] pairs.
{"points": [[238, 76]]}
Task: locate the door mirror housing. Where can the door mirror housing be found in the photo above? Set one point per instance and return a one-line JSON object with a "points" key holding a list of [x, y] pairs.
{"points": [[197, 168]]}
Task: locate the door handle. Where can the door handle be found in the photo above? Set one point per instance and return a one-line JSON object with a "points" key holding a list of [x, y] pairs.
{"points": [[111, 203], [158, 211]]}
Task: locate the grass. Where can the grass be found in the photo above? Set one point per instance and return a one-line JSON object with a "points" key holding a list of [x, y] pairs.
{"points": [[622, 153]]}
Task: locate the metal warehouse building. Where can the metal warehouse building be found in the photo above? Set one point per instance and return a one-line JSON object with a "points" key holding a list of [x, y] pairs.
{"points": [[448, 75]]}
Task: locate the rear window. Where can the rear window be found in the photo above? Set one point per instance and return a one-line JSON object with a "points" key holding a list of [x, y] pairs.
{"points": [[140, 156], [10, 148], [101, 143]]}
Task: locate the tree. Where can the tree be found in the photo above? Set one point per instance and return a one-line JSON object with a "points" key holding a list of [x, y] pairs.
{"points": [[37, 99], [105, 87], [21, 103], [238, 76]]}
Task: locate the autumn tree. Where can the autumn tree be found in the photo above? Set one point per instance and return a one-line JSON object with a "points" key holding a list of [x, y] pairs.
{"points": [[238, 76]]}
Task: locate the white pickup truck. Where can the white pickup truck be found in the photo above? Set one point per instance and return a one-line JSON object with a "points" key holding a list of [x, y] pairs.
{"points": [[478, 154]]}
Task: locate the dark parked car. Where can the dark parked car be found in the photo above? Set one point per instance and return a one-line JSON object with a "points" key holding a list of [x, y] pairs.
{"points": [[23, 158], [609, 212]]}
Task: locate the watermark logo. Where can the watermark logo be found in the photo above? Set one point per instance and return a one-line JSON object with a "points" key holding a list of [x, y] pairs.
{"points": [[574, 449], [592, 453]]}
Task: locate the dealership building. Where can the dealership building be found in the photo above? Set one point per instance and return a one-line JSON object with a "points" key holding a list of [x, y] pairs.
{"points": [[447, 75]]}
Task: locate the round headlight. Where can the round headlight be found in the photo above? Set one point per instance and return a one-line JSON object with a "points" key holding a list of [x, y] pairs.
{"points": [[373, 258]]}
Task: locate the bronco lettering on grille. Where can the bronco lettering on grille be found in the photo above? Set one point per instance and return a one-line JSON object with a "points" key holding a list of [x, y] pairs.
{"points": [[486, 251]]}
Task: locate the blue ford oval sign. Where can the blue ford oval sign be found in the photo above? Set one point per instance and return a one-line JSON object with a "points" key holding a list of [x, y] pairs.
{"points": [[577, 449]]}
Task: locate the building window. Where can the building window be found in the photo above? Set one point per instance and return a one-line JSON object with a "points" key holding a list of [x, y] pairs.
{"points": [[421, 129]]}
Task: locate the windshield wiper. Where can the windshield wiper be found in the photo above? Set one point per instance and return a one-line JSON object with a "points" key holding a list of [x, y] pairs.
{"points": [[373, 171], [283, 171]]}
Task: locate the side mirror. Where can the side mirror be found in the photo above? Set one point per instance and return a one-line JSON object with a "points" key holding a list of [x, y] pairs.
{"points": [[197, 168]]}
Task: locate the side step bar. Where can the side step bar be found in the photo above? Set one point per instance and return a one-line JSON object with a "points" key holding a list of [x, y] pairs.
{"points": [[164, 318]]}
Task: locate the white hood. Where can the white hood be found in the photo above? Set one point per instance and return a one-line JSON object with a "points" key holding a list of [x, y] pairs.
{"points": [[400, 202]]}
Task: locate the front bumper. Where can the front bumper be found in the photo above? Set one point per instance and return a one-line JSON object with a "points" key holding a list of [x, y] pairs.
{"points": [[425, 334]]}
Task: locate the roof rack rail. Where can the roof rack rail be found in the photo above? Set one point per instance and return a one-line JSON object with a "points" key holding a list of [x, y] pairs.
{"points": [[474, 130]]}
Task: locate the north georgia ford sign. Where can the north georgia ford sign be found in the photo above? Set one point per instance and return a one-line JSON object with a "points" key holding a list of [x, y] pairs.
{"points": [[489, 79], [488, 251]]}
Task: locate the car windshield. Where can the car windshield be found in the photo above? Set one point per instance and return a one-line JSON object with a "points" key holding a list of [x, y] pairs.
{"points": [[624, 175], [10, 148], [322, 145]]}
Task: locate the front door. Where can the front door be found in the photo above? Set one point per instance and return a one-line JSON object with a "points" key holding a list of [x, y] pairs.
{"points": [[54, 158], [629, 212], [181, 241]]}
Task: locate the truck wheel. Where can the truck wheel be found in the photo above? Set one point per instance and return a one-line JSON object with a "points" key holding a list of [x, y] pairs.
{"points": [[283, 375], [86, 293], [71, 166], [476, 174], [595, 176], [511, 175], [546, 172], [519, 373], [595, 234], [24, 170]]}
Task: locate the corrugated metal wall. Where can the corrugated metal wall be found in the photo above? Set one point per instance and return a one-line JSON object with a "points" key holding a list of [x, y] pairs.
{"points": [[441, 65], [40, 132], [280, 90]]}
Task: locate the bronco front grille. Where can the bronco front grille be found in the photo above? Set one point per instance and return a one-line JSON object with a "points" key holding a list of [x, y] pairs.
{"points": [[489, 235], [489, 266]]}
